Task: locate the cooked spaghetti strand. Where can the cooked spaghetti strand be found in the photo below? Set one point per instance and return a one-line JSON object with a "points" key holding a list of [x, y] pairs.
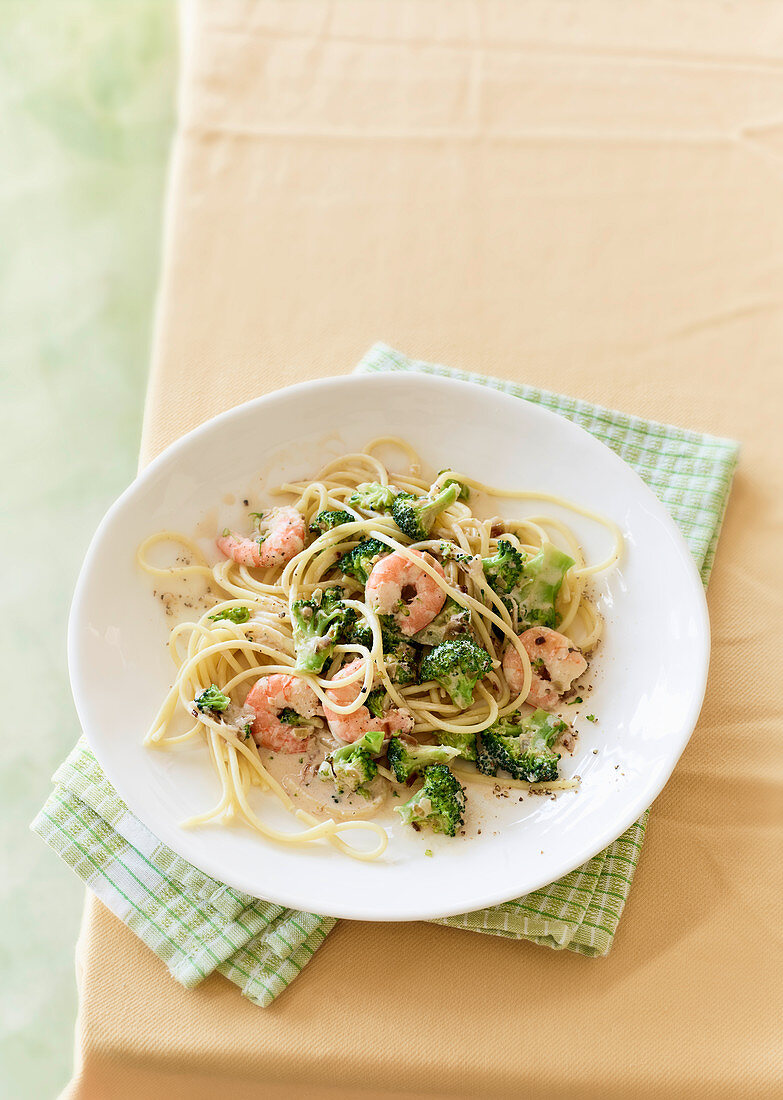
{"points": [[232, 659]]}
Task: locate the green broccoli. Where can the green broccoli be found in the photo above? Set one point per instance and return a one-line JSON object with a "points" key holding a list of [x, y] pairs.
{"points": [[464, 490], [359, 562], [362, 632], [465, 743], [325, 521], [406, 760], [375, 702], [537, 598], [290, 717], [415, 516], [451, 621], [402, 663], [361, 635], [522, 746], [400, 656], [351, 766], [530, 585], [212, 698], [233, 614], [457, 666], [318, 626], [390, 631], [504, 570], [439, 804], [371, 496]]}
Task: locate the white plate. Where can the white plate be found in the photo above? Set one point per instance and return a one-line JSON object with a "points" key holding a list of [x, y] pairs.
{"points": [[649, 679]]}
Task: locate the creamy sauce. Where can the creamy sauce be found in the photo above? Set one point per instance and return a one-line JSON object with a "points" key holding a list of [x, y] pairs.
{"points": [[297, 774]]}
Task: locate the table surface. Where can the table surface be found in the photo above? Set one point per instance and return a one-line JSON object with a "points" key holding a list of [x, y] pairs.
{"points": [[585, 198]]}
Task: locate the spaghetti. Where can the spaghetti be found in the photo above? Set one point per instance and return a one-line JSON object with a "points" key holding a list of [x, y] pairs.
{"points": [[246, 644]]}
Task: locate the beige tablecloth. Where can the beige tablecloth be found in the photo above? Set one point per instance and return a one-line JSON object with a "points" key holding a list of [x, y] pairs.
{"points": [[587, 197]]}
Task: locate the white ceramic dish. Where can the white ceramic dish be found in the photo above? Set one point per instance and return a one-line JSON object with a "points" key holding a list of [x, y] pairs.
{"points": [[648, 685]]}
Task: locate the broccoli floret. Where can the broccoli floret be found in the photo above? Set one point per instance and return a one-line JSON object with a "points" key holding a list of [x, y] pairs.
{"points": [[360, 635], [465, 743], [400, 656], [544, 575], [522, 746], [289, 717], [350, 771], [390, 631], [457, 666], [402, 662], [464, 491], [359, 562], [439, 805], [233, 614], [452, 621], [373, 497], [362, 632], [325, 521], [351, 766], [212, 698], [504, 570], [406, 760], [318, 626], [530, 585], [375, 702], [415, 516]]}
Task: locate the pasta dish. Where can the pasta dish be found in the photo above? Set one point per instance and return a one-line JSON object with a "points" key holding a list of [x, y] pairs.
{"points": [[371, 641]]}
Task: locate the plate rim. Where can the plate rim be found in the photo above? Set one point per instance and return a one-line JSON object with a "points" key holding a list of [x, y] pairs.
{"points": [[293, 898]]}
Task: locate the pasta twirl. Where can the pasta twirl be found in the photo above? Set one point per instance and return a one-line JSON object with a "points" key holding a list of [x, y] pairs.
{"points": [[415, 579]]}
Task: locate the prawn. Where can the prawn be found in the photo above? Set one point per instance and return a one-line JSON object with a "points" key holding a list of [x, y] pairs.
{"points": [[268, 697], [556, 664], [280, 536], [398, 587], [350, 727]]}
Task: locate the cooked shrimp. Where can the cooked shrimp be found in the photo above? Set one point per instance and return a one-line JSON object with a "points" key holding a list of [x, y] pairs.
{"points": [[268, 697], [350, 727], [398, 587], [281, 536], [556, 664]]}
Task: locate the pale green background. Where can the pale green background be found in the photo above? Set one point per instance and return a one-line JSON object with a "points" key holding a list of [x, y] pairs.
{"points": [[86, 113]]}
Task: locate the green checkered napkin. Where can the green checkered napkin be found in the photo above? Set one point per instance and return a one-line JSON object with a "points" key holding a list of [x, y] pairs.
{"points": [[196, 924]]}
